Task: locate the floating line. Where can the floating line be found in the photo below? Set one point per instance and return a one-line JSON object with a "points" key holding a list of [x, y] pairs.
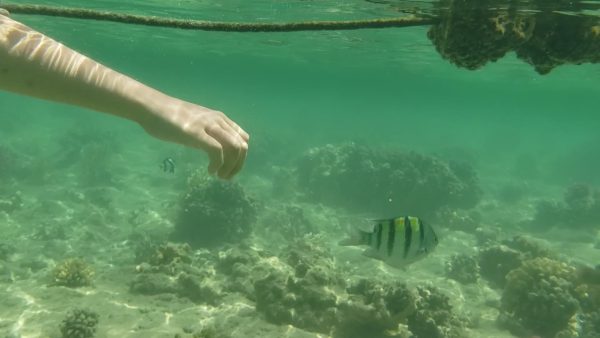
{"points": [[90, 14]]}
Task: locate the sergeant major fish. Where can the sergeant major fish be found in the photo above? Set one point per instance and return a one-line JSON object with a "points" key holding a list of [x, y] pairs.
{"points": [[397, 241]]}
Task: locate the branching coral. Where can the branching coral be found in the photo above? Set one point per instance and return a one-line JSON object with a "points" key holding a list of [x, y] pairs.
{"points": [[540, 296], [79, 323], [385, 182], [73, 273], [214, 212]]}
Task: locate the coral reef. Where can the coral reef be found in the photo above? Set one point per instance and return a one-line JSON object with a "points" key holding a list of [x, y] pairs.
{"points": [[463, 269], [172, 268], [242, 264], [303, 292], [580, 209], [384, 182], [72, 273], [79, 323], [310, 292], [472, 33], [540, 296], [496, 262], [528, 247], [590, 325], [375, 310], [214, 212], [286, 220], [434, 316]]}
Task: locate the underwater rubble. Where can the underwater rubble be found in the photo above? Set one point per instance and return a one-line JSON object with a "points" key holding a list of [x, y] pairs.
{"points": [[366, 179], [472, 33]]}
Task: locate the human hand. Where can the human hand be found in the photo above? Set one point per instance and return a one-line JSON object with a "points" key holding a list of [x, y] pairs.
{"points": [[185, 123], [4, 12]]}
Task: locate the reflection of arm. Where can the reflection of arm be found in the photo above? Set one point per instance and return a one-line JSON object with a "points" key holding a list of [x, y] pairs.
{"points": [[35, 65]]}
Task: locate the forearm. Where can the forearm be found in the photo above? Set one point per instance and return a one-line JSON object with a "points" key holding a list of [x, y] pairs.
{"points": [[35, 65]]}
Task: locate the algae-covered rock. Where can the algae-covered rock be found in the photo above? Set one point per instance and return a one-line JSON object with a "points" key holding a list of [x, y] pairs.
{"points": [[540, 296], [214, 212], [79, 323], [72, 273], [385, 182]]}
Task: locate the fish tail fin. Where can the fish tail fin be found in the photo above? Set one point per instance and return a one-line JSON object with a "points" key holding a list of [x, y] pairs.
{"points": [[358, 237]]}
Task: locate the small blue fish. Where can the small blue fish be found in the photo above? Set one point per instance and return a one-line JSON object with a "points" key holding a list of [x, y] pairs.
{"points": [[168, 165]]}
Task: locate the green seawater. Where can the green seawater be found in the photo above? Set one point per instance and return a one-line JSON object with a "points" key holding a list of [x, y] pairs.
{"points": [[75, 183]]}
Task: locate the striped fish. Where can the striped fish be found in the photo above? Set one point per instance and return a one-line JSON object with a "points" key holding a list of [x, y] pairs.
{"points": [[397, 241]]}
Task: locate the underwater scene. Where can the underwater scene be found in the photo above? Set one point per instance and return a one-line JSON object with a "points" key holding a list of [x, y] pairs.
{"points": [[434, 178]]}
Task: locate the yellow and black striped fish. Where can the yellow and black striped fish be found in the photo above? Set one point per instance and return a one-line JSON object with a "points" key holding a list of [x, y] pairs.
{"points": [[397, 241]]}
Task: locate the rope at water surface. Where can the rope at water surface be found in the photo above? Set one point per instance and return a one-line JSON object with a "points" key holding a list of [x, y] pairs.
{"points": [[90, 14]]}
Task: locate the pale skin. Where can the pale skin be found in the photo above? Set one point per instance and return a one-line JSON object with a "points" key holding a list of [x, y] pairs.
{"points": [[36, 65]]}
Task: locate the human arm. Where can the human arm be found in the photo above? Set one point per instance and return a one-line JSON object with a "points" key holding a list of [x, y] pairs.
{"points": [[36, 65]]}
